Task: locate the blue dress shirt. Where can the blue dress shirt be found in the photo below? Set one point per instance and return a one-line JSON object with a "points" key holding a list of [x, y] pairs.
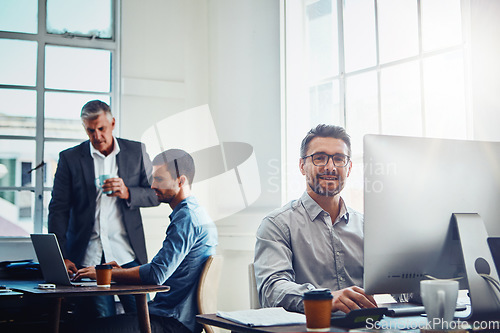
{"points": [[190, 239]]}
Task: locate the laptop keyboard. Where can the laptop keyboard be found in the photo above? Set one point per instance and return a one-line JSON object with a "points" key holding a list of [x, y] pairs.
{"points": [[409, 309]]}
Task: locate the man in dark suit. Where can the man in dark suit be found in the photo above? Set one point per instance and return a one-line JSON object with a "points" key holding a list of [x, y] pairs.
{"points": [[96, 221]]}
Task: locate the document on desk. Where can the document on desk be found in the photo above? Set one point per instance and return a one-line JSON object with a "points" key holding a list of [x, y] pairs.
{"points": [[264, 317]]}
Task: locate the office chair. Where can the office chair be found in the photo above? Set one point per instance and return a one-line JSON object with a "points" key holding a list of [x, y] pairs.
{"points": [[254, 294], [208, 287]]}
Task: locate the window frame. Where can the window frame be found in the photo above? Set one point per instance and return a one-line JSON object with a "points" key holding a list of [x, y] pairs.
{"points": [[43, 39], [288, 97]]}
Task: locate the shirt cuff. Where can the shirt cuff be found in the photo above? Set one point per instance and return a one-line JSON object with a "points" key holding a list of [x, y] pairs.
{"points": [[144, 273], [129, 200]]}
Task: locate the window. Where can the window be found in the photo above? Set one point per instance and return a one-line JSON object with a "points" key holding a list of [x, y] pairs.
{"points": [[55, 55], [373, 66]]}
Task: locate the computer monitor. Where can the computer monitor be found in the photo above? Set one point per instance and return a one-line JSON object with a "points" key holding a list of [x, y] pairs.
{"points": [[412, 188]]}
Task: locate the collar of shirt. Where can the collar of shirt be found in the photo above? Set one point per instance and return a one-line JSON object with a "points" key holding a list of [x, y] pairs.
{"points": [[116, 149], [314, 210], [344, 213], [189, 200]]}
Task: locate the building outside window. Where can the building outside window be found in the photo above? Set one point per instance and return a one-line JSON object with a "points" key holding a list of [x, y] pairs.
{"points": [[55, 55]]}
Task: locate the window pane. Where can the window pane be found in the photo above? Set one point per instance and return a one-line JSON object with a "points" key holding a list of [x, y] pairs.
{"points": [[51, 157], [324, 104], [441, 23], [17, 62], [19, 16], [400, 100], [16, 213], [444, 95], [17, 112], [88, 18], [17, 158], [398, 29], [361, 108], [72, 68], [359, 34], [62, 114], [322, 39]]}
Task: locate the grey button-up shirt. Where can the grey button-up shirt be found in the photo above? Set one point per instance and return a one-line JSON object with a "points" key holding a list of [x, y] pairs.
{"points": [[299, 249]]}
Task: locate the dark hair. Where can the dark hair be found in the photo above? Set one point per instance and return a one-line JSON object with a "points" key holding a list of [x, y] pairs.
{"points": [[93, 109], [325, 131], [178, 163]]}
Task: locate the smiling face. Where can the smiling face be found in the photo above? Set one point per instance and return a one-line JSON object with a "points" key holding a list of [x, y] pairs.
{"points": [[100, 133], [327, 180], [165, 186]]}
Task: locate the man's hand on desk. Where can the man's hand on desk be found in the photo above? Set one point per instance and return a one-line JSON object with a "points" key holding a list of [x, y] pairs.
{"points": [[351, 298], [70, 266], [89, 272], [114, 264]]}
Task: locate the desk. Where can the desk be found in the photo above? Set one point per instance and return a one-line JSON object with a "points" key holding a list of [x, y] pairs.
{"points": [[410, 324], [139, 291], [214, 320]]}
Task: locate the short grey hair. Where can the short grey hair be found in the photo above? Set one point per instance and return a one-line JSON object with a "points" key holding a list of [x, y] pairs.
{"points": [[91, 110], [325, 131]]}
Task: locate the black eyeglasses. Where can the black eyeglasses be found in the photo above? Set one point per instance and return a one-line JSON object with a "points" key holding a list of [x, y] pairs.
{"points": [[321, 159]]}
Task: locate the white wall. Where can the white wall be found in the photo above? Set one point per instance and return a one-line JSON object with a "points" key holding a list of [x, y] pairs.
{"points": [[245, 97], [485, 69], [225, 53]]}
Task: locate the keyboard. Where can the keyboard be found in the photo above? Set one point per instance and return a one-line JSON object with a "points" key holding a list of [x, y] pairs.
{"points": [[410, 309]]}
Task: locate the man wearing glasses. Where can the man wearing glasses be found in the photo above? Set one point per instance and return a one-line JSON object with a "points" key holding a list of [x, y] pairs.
{"points": [[315, 241]]}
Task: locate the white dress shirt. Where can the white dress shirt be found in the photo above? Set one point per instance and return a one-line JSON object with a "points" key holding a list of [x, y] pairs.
{"points": [[109, 235]]}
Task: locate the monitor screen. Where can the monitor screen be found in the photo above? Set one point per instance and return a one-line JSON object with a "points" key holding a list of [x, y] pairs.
{"points": [[412, 186]]}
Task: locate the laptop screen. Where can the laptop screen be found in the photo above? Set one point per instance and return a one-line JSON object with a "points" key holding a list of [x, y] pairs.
{"points": [[50, 258]]}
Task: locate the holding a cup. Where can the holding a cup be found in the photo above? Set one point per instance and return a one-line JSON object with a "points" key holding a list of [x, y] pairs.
{"points": [[99, 182], [103, 275], [440, 299], [318, 310]]}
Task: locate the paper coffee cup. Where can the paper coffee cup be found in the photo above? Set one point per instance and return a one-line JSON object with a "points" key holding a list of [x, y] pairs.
{"points": [[103, 275], [318, 309]]}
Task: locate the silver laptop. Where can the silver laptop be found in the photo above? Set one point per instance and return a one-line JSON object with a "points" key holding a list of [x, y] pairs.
{"points": [[51, 261]]}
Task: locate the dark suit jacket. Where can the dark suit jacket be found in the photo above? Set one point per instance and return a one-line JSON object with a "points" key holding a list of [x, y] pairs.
{"points": [[72, 208]]}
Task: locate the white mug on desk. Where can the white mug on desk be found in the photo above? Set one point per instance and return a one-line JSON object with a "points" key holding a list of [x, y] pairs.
{"points": [[440, 299]]}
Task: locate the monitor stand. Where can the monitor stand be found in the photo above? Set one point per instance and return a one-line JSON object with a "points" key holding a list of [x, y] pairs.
{"points": [[484, 297]]}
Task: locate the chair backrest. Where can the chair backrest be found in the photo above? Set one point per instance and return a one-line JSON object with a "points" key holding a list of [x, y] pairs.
{"points": [[208, 286], [254, 294]]}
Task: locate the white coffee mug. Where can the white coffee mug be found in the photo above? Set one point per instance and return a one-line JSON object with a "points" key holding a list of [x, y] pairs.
{"points": [[440, 299]]}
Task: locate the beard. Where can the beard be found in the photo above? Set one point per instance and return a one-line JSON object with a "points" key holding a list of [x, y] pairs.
{"points": [[315, 185], [163, 197]]}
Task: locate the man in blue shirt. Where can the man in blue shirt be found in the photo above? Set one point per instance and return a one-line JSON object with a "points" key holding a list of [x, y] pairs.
{"points": [[190, 239]]}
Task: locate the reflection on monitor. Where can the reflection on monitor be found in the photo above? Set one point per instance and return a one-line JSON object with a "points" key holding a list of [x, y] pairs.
{"points": [[412, 187]]}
